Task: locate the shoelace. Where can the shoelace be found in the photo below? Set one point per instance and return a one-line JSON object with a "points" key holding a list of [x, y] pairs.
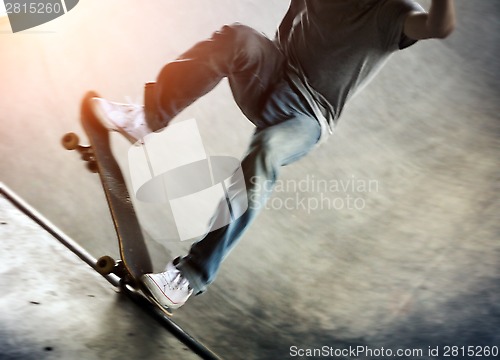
{"points": [[177, 283], [131, 111]]}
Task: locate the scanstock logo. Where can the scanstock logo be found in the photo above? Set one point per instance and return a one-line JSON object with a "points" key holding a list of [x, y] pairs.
{"points": [[26, 14], [172, 168]]}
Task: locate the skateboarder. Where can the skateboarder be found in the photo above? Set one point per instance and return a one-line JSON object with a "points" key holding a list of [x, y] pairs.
{"points": [[292, 88]]}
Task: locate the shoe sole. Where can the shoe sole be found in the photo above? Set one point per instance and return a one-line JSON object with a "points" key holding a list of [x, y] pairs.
{"points": [[165, 309], [147, 283]]}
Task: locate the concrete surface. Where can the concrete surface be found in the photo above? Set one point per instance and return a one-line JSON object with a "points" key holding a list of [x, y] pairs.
{"points": [[415, 266], [54, 306]]}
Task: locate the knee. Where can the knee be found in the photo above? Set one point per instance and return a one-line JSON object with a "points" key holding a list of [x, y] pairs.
{"points": [[244, 40], [285, 143], [263, 152], [237, 31]]}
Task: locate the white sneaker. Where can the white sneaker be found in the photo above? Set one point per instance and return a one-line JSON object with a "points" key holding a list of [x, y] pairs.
{"points": [[169, 288], [127, 119]]}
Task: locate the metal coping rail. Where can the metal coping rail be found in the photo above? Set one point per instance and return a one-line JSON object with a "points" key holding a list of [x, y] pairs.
{"points": [[193, 344]]}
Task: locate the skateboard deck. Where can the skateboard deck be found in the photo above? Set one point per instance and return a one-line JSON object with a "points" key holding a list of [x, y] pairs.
{"points": [[134, 256]]}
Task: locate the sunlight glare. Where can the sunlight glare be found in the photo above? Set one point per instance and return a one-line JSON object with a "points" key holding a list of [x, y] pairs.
{"points": [[3, 11]]}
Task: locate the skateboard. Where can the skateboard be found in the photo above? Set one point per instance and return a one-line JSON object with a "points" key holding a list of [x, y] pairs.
{"points": [[134, 256]]}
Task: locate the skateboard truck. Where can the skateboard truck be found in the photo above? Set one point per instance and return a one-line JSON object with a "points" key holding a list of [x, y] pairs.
{"points": [[70, 141], [106, 265]]}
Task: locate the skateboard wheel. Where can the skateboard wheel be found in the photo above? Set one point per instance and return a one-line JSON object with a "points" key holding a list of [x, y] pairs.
{"points": [[92, 166], [70, 141], [105, 265]]}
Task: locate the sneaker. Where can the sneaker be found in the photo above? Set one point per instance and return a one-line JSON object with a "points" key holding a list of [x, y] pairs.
{"points": [[127, 119], [169, 288]]}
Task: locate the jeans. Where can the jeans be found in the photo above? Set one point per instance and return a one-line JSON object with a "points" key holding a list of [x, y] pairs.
{"points": [[286, 128]]}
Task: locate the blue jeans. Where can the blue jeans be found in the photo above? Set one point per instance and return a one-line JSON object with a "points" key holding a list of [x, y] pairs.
{"points": [[286, 128]]}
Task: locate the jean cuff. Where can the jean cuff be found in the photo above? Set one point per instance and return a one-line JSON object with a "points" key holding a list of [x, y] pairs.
{"points": [[192, 275]]}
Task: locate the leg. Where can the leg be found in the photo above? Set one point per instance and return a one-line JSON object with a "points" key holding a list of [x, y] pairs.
{"points": [[286, 131], [270, 149], [250, 61]]}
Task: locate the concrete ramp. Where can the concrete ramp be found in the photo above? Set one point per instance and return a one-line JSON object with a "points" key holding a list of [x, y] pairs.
{"points": [[54, 306]]}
